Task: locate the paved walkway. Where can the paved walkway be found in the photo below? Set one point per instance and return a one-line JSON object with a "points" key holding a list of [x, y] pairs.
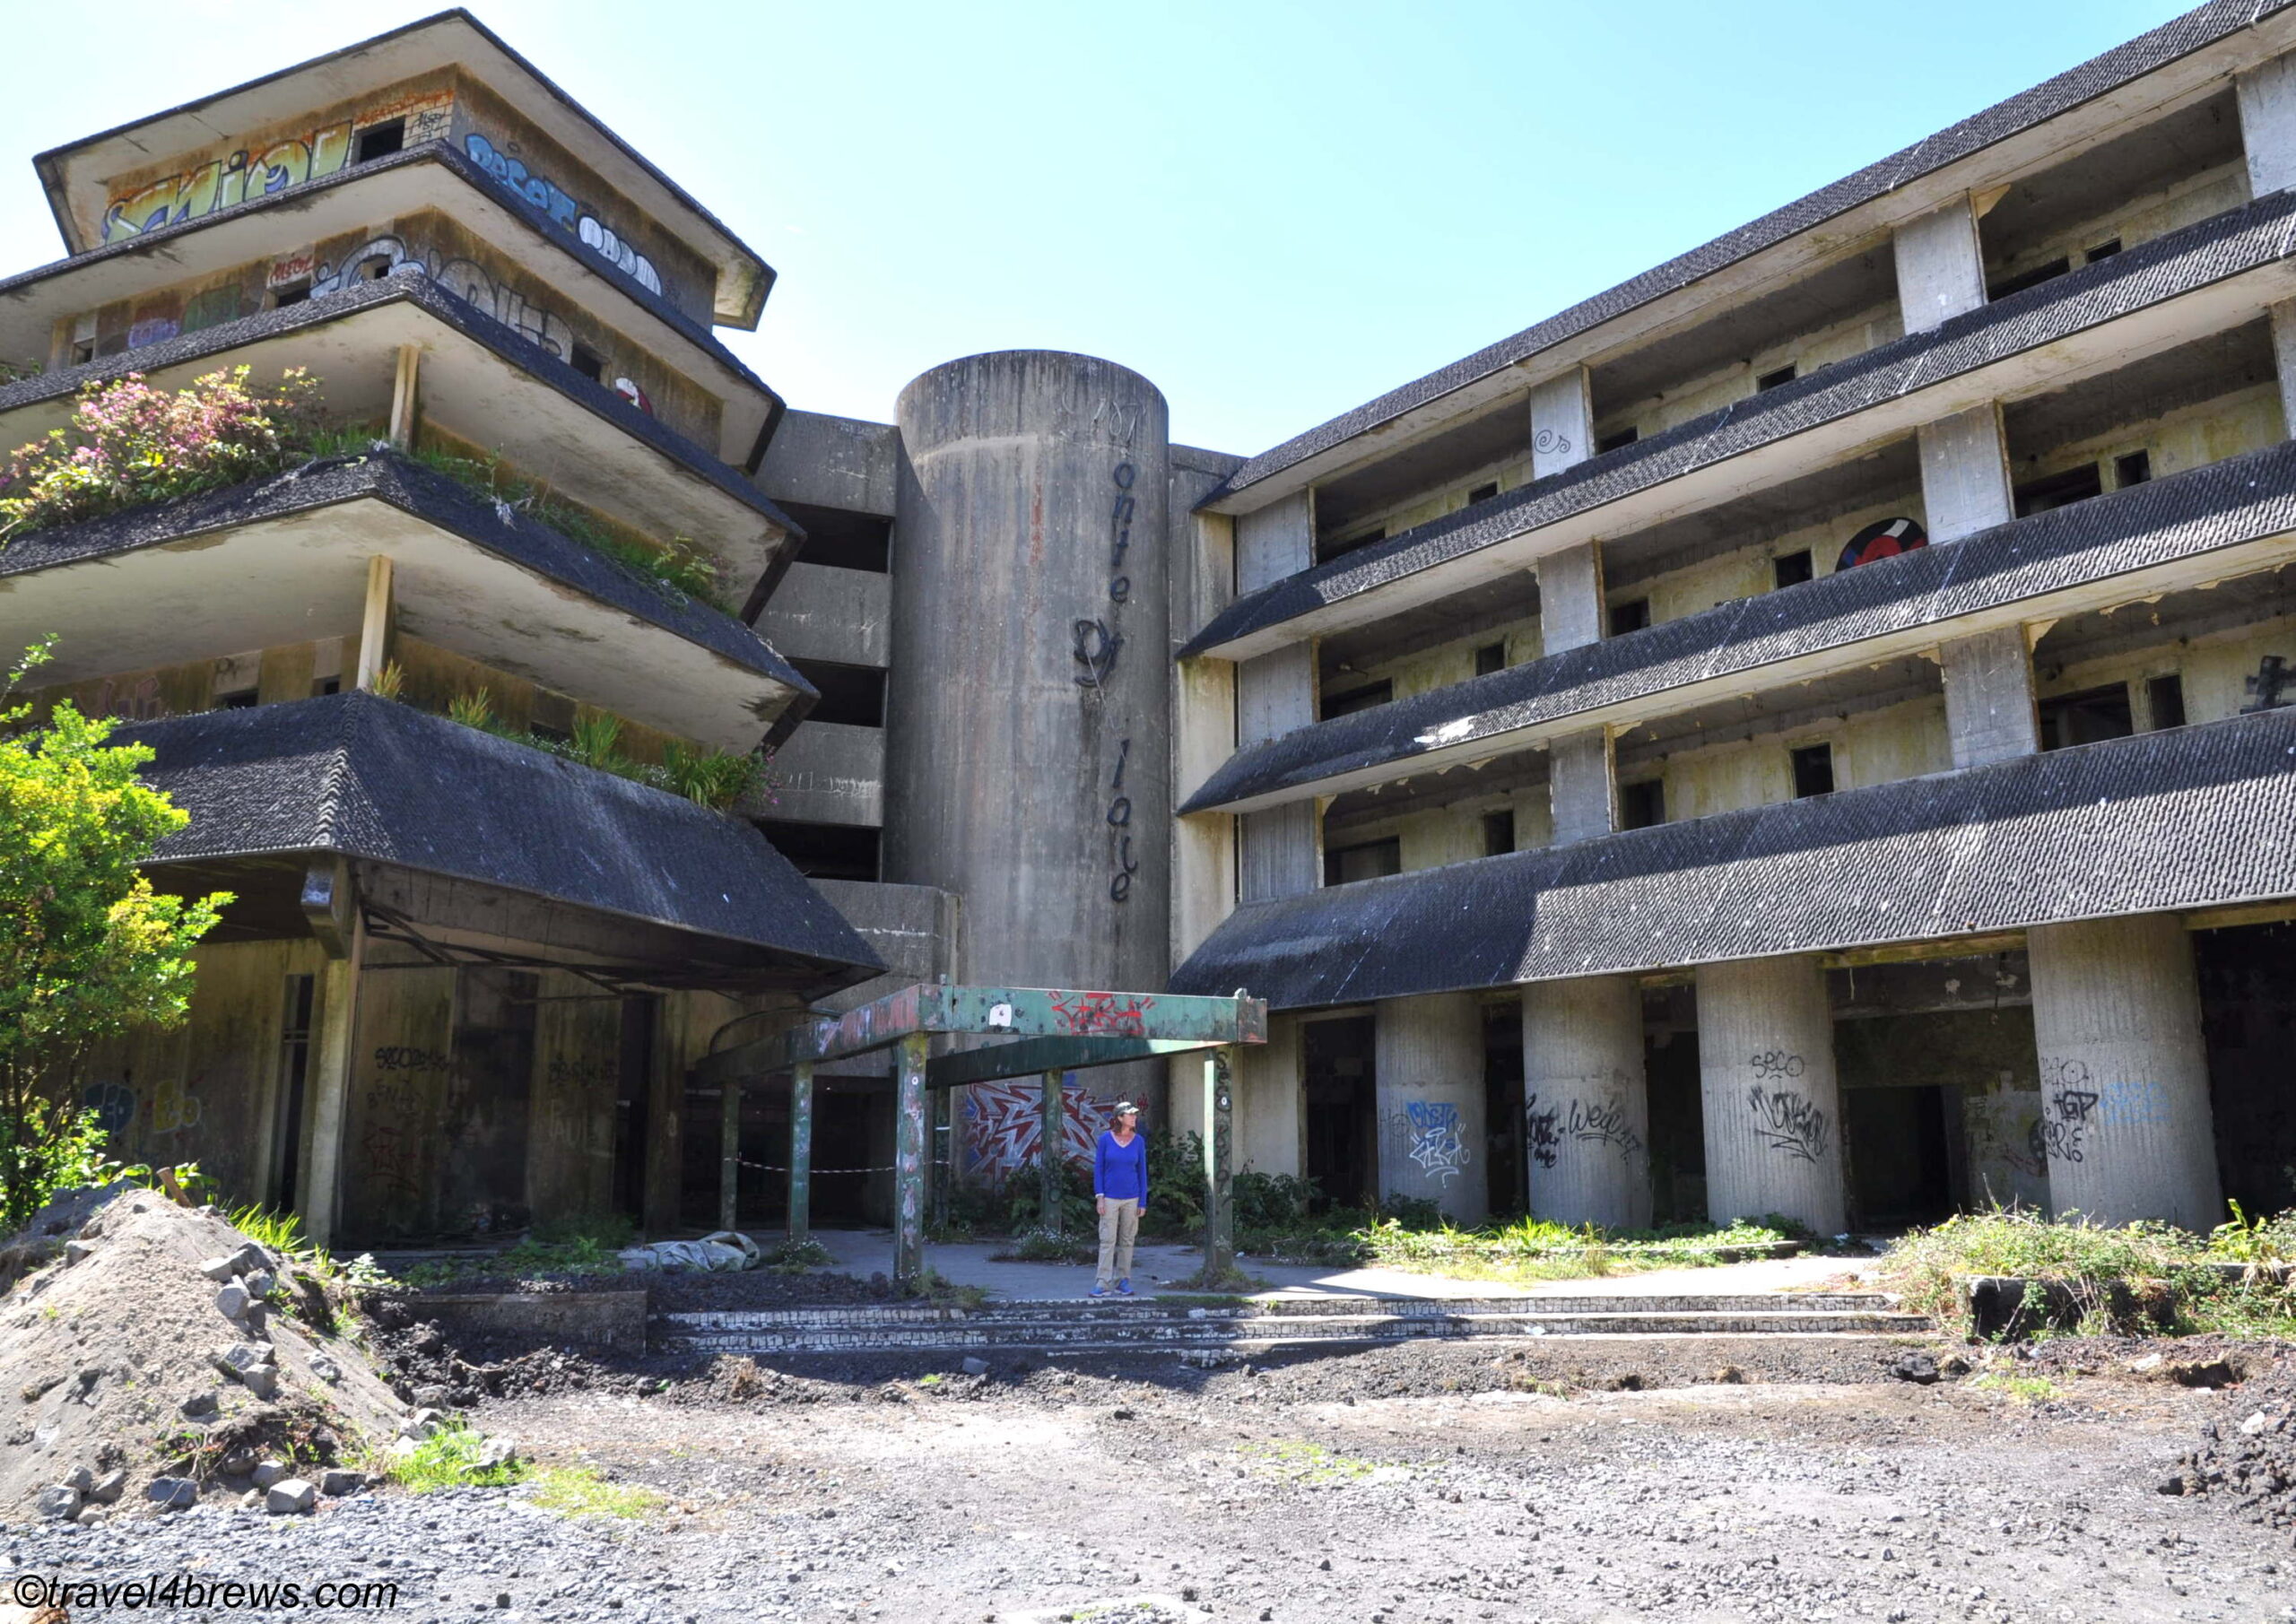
{"points": [[866, 1252]]}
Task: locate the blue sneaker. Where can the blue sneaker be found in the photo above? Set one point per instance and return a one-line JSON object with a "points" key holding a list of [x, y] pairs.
{"points": [[1124, 1288], [1099, 1291]]}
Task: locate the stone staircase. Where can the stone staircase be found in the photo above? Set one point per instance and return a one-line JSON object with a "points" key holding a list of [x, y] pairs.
{"points": [[1253, 1325]]}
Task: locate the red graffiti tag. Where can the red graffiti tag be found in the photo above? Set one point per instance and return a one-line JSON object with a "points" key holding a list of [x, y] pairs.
{"points": [[1102, 1014]]}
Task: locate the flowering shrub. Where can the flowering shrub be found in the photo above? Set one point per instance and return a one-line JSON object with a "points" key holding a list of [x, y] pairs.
{"points": [[129, 444]]}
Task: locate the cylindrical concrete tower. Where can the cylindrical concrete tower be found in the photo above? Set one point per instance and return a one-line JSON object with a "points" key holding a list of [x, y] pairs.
{"points": [[1428, 1077], [1027, 749], [1585, 1102], [2125, 1107], [1771, 1096]]}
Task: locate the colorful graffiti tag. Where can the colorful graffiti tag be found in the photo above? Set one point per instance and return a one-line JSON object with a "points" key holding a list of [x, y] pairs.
{"points": [[1001, 1128], [1102, 1014], [219, 182], [1436, 1143], [544, 192]]}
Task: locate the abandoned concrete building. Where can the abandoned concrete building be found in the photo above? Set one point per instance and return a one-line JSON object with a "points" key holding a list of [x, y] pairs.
{"points": [[1804, 731]]}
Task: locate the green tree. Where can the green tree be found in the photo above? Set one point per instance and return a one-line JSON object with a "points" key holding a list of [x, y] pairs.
{"points": [[88, 950]]}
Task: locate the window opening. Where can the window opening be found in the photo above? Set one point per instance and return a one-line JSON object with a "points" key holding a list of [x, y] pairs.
{"points": [[1482, 493], [1499, 833], [590, 363], [1642, 805], [1489, 657], [1372, 860], [2033, 278], [1772, 381], [1332, 549], [2103, 250], [381, 140], [237, 698], [292, 294], [2165, 697], [2134, 469], [2087, 717], [1631, 616], [1792, 568], [2053, 491], [1612, 442], [1348, 701], [826, 851], [853, 695], [323, 686], [1813, 771]]}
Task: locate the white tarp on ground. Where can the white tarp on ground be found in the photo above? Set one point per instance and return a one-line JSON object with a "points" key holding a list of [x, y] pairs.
{"points": [[725, 1252]]}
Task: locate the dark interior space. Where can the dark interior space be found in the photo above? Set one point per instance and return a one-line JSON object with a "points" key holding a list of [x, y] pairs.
{"points": [[2088, 718], [1677, 1112], [1498, 431], [842, 540], [483, 1186], [826, 851], [2248, 1008], [632, 1098], [841, 1133], [853, 695], [1896, 1141], [1504, 1127], [1342, 1141]]}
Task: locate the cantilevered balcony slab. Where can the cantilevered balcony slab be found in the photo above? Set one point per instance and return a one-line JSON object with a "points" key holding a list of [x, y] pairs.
{"points": [[2194, 816], [2233, 517], [481, 380], [434, 176], [473, 844], [2168, 291], [284, 560]]}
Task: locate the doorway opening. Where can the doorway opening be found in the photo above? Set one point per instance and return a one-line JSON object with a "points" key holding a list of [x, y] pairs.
{"points": [[1901, 1165], [1342, 1111]]}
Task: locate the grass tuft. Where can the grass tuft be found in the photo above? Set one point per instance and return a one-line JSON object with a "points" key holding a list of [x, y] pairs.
{"points": [[450, 1458], [580, 1492]]}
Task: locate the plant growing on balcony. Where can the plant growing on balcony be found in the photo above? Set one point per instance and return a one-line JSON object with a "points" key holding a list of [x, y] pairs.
{"points": [[715, 778], [129, 444], [473, 708], [87, 949], [597, 741]]}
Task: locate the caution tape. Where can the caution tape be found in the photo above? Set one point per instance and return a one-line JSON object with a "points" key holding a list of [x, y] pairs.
{"points": [[767, 1166]]}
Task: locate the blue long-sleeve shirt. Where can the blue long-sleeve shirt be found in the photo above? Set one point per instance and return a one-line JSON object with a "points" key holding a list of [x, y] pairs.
{"points": [[1120, 1172]]}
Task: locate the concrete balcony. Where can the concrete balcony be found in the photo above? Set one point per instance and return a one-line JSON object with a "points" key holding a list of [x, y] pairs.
{"points": [[828, 772], [840, 615]]}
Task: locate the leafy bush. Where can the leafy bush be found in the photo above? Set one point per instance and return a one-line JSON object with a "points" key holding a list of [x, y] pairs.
{"points": [[1023, 1202], [1272, 1201], [715, 778], [129, 444]]}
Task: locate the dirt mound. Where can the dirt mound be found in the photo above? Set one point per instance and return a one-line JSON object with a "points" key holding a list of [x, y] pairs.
{"points": [[2247, 1457], [122, 1362], [702, 1293]]}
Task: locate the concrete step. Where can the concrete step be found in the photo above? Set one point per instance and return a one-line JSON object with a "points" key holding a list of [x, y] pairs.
{"points": [[1266, 1324]]}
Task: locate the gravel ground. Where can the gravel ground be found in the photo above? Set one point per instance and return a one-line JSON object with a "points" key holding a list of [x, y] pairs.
{"points": [[1406, 1485]]}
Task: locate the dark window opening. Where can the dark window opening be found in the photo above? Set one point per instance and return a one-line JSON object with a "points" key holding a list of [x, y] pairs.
{"points": [[1813, 771], [2088, 718], [1348, 702], [2023, 280], [1612, 442], [590, 363], [839, 539], [2165, 697], [1773, 380], [853, 695], [1372, 860], [1498, 833], [376, 266], [2059, 490], [826, 851], [293, 293], [1642, 805], [2134, 469], [1792, 568], [1631, 616], [238, 699], [1489, 657], [2103, 250], [1328, 550], [1339, 1103], [381, 140], [83, 350], [294, 1068], [1482, 493], [322, 686]]}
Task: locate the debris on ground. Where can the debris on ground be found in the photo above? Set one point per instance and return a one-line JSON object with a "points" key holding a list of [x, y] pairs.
{"points": [[2247, 1456]]}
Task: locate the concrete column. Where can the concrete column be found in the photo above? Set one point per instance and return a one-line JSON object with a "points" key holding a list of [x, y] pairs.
{"points": [[2283, 354], [661, 1203], [1582, 785], [1052, 1145], [729, 1155], [1965, 474], [1570, 598], [1562, 423], [2267, 97], [318, 1184], [1941, 266], [1271, 1105], [1586, 1102], [1429, 1061], [1773, 1102], [1990, 697], [1219, 1168], [910, 1154], [801, 1150], [2125, 1107]]}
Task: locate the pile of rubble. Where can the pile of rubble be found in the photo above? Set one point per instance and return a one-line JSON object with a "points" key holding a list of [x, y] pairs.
{"points": [[2249, 1455], [152, 1357]]}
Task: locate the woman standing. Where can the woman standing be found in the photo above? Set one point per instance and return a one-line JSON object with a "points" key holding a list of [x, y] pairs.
{"points": [[1120, 1193]]}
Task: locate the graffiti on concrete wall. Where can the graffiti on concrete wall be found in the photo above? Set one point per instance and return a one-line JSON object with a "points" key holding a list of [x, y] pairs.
{"points": [[388, 255], [2272, 685], [545, 195], [1545, 1138], [114, 1105], [1002, 1127], [1097, 643], [1603, 1124], [391, 1143], [129, 700], [1102, 1014], [1786, 1121], [219, 182], [2069, 1104], [1437, 1141]]}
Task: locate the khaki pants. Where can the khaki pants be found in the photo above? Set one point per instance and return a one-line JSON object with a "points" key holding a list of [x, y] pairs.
{"points": [[1118, 1225]]}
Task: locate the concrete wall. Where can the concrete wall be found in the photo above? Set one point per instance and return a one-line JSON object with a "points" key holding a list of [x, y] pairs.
{"points": [[828, 772], [834, 462], [821, 613]]}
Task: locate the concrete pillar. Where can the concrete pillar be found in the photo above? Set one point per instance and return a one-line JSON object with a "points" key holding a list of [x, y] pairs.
{"points": [[801, 1150], [1052, 1145], [1219, 1168], [318, 1184], [1429, 1065], [1271, 1103], [1965, 474], [1586, 1102], [1033, 559], [1941, 266], [2283, 354], [1572, 614], [2125, 1107], [1562, 423], [729, 1155], [1582, 785], [910, 1154], [1989, 711], [2267, 97], [1773, 1102], [662, 1202]]}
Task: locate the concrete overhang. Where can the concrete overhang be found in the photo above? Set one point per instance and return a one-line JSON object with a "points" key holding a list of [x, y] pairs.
{"points": [[288, 561], [482, 382], [2040, 339], [2189, 531], [76, 176]]}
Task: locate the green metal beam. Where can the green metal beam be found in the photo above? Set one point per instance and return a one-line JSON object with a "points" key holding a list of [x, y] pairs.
{"points": [[1026, 1056]]}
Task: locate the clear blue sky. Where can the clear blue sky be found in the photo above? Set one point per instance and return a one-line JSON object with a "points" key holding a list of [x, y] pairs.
{"points": [[1274, 210]]}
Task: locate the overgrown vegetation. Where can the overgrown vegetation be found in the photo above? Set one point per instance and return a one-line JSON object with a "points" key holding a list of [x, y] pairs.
{"points": [[1533, 1249], [715, 778], [580, 1492], [88, 950], [454, 1456], [583, 1247]]}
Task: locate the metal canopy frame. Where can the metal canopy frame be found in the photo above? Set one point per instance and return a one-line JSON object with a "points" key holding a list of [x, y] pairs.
{"points": [[1049, 1031]]}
